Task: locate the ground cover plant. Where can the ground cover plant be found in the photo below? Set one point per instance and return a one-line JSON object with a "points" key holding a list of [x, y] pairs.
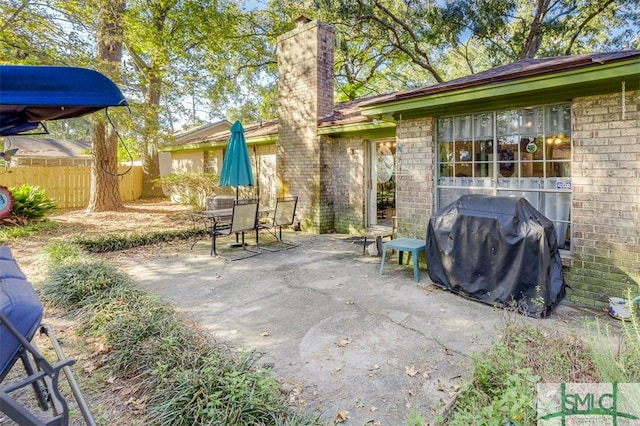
{"points": [[182, 377], [107, 243], [502, 389]]}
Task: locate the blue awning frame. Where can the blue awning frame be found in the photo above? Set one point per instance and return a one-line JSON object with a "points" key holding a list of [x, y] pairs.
{"points": [[30, 95]]}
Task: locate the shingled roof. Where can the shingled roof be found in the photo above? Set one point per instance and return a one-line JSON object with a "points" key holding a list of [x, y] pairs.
{"points": [[48, 147], [514, 71], [349, 112]]}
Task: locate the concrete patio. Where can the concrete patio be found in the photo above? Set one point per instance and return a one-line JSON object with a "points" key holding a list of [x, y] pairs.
{"points": [[341, 337]]}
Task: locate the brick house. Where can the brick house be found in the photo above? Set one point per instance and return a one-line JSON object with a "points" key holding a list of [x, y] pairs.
{"points": [[562, 132]]}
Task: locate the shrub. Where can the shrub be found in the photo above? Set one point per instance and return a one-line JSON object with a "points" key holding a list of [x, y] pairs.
{"points": [[191, 188], [30, 202]]}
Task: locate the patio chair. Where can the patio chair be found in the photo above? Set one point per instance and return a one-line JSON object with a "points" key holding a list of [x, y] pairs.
{"points": [[244, 218], [20, 315], [283, 215]]}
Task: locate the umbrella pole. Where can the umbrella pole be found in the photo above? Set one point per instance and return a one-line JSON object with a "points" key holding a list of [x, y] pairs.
{"points": [[237, 243]]}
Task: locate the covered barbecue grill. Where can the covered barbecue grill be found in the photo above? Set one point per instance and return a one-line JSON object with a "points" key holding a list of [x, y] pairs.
{"points": [[496, 250]]}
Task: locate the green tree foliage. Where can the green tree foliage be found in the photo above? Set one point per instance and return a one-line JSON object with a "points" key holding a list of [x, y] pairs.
{"points": [[170, 44], [389, 44], [173, 51], [186, 61], [39, 33], [247, 83]]}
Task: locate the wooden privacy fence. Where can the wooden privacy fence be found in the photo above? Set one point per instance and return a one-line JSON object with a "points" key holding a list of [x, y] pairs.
{"points": [[69, 186]]}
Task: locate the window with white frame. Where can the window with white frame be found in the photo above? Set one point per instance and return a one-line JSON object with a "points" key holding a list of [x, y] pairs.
{"points": [[524, 152], [210, 162]]}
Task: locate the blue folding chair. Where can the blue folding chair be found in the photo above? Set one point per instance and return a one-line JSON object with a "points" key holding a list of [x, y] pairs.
{"points": [[20, 318]]}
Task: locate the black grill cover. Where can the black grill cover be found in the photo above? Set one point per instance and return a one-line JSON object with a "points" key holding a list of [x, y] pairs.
{"points": [[497, 250]]}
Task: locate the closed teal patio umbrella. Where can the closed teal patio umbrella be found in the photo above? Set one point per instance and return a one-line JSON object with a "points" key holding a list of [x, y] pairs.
{"points": [[236, 167]]}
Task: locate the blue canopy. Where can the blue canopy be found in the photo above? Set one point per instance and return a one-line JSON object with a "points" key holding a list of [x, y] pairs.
{"points": [[236, 167], [32, 94]]}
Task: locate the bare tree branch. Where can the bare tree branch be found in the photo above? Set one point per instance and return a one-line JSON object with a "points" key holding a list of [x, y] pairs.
{"points": [[585, 22], [15, 14], [532, 44], [417, 55]]}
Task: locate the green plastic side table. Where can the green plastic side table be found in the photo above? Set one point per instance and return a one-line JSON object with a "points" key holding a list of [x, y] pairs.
{"points": [[412, 245]]}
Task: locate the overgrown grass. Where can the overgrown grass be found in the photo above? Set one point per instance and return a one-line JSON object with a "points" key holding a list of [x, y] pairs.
{"points": [[617, 353], [185, 378], [502, 385], [502, 389]]}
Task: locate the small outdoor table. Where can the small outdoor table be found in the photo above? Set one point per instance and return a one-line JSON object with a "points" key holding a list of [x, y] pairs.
{"points": [[412, 245], [209, 218]]}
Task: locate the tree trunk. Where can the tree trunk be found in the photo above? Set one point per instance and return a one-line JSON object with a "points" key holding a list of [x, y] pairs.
{"points": [[150, 161], [105, 191], [534, 37]]}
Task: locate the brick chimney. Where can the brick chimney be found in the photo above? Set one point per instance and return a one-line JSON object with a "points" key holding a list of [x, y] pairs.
{"points": [[305, 95]]}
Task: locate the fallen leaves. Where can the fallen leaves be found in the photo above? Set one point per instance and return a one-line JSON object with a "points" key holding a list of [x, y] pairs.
{"points": [[127, 391], [137, 405], [411, 371], [374, 370], [342, 416], [450, 391], [343, 342]]}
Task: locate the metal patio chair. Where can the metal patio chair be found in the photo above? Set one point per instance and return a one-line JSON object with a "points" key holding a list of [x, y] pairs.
{"points": [[283, 215], [244, 218], [20, 318]]}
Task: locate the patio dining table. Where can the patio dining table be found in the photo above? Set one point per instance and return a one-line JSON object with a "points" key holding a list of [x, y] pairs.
{"points": [[210, 218]]}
